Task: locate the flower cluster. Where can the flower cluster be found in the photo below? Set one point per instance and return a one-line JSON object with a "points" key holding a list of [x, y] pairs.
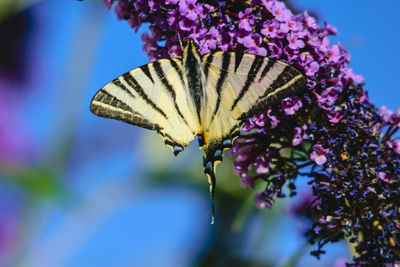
{"points": [[331, 134]]}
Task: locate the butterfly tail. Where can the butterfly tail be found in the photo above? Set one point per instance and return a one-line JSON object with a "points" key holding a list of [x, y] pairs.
{"points": [[211, 158], [209, 170]]}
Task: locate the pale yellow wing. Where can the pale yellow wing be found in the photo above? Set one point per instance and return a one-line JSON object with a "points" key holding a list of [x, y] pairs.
{"points": [[238, 86], [152, 96]]}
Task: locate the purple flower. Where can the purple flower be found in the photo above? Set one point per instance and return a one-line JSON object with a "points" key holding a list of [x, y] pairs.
{"points": [[299, 135], [349, 74], [247, 181], [324, 102], [241, 35], [246, 19], [263, 163], [275, 50], [291, 104], [334, 54], [294, 41], [147, 46], [291, 54], [309, 22], [210, 40], [384, 177], [394, 145], [290, 25], [330, 95], [173, 17], [252, 42], [263, 201], [273, 121], [186, 24], [319, 154], [255, 50], [270, 28], [279, 10], [189, 9], [108, 3], [335, 116]]}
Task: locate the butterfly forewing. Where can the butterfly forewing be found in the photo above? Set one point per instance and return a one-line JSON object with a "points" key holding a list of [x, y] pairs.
{"points": [[152, 96]]}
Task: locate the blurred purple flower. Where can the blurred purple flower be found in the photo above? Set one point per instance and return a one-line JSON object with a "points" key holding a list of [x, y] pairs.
{"points": [[278, 10], [263, 201], [15, 143]]}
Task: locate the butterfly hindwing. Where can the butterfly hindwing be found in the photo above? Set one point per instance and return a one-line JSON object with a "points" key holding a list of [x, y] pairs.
{"points": [[243, 85], [239, 86], [152, 96]]}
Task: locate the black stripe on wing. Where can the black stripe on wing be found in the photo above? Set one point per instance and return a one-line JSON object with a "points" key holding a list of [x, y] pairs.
{"points": [[108, 106], [146, 70], [177, 69], [251, 76], [267, 68], [290, 82], [226, 58], [131, 81], [160, 73], [238, 60], [119, 84], [209, 58]]}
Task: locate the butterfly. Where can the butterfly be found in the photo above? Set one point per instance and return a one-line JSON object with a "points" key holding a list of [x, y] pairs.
{"points": [[209, 96]]}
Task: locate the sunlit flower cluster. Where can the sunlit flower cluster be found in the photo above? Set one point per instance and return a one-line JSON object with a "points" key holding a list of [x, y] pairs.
{"points": [[331, 134]]}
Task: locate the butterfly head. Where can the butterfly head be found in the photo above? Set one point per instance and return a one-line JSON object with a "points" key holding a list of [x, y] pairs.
{"points": [[190, 52]]}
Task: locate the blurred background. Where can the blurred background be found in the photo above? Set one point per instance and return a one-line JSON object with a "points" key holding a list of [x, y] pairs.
{"points": [[78, 190]]}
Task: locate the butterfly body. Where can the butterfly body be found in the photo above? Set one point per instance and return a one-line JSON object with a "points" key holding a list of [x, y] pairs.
{"points": [[210, 96]]}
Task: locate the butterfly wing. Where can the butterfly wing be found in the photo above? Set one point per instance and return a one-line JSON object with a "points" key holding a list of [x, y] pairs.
{"points": [[152, 96], [238, 86]]}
